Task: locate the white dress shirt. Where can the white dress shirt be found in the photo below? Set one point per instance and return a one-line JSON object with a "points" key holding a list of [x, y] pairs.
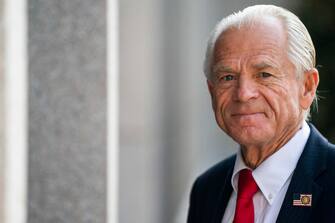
{"points": [[272, 176]]}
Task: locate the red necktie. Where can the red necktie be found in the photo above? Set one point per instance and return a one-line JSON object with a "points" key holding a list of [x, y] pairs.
{"points": [[247, 187]]}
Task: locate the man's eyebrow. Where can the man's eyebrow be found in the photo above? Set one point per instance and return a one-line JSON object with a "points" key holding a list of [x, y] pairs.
{"points": [[222, 68], [263, 65]]}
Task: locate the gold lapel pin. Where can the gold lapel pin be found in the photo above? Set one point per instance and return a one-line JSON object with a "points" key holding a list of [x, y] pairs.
{"points": [[302, 200]]}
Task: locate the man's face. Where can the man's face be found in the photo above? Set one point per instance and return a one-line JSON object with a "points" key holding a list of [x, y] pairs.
{"points": [[256, 95]]}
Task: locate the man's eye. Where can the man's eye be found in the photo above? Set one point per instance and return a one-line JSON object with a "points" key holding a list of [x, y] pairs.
{"points": [[264, 75], [228, 78]]}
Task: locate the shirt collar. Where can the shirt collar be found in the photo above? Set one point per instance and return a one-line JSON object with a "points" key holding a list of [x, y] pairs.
{"points": [[273, 172]]}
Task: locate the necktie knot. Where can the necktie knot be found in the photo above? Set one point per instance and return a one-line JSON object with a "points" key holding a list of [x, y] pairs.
{"points": [[247, 186]]}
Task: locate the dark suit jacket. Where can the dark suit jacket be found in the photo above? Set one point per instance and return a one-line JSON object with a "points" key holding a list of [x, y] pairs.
{"points": [[314, 174]]}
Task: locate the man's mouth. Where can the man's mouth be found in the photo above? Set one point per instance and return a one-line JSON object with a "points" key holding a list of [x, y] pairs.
{"points": [[248, 117], [248, 114]]}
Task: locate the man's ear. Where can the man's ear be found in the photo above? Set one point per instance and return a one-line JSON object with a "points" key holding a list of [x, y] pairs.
{"points": [[310, 84]]}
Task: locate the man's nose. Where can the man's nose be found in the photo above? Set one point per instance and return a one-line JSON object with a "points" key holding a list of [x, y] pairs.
{"points": [[245, 90]]}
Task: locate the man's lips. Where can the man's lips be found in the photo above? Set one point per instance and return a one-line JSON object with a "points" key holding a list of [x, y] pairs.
{"points": [[247, 113], [248, 118]]}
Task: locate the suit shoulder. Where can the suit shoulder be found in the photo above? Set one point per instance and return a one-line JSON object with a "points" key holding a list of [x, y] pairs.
{"points": [[328, 175], [206, 190], [331, 154]]}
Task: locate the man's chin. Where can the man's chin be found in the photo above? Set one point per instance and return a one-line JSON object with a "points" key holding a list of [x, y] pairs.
{"points": [[251, 136]]}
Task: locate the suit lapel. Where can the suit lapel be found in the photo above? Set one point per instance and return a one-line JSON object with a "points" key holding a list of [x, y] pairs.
{"points": [[310, 165], [290, 213], [224, 197]]}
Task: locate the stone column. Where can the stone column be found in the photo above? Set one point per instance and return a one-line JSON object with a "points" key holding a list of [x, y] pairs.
{"points": [[67, 111]]}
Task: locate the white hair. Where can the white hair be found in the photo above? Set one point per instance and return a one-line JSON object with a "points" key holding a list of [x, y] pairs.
{"points": [[300, 50]]}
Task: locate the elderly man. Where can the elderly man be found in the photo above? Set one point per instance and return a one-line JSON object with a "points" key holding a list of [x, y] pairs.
{"points": [[260, 69]]}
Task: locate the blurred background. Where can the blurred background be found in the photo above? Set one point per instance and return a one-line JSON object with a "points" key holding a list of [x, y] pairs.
{"points": [[167, 134]]}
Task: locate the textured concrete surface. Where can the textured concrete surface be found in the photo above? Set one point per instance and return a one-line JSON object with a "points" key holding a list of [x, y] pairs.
{"points": [[67, 111]]}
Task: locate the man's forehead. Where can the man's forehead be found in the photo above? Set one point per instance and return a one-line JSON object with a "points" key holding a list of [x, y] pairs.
{"points": [[266, 28], [265, 22], [263, 42]]}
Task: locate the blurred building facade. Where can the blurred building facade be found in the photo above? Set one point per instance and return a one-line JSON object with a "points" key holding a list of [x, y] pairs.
{"points": [[167, 131]]}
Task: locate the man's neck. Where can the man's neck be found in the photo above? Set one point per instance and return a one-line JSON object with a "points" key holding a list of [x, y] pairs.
{"points": [[254, 155]]}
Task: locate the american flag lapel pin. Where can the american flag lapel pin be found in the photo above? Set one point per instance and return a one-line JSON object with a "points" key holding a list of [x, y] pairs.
{"points": [[302, 200]]}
